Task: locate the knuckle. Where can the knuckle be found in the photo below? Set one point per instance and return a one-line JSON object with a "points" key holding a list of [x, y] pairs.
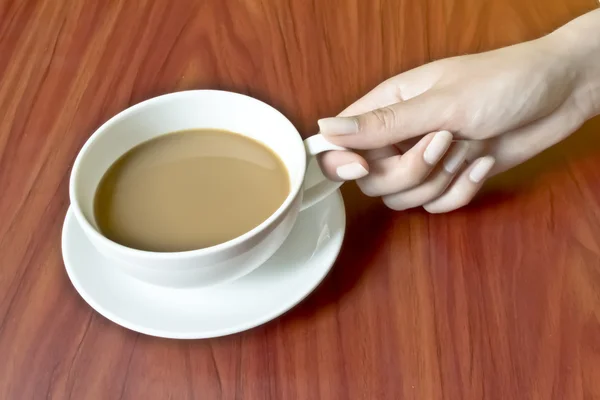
{"points": [[455, 114], [385, 118], [460, 115], [411, 170], [381, 122]]}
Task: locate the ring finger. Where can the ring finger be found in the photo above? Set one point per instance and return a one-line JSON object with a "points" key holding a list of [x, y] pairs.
{"points": [[434, 185], [463, 188]]}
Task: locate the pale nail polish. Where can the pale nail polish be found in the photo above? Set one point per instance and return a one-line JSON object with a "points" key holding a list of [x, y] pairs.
{"points": [[482, 167], [456, 157], [338, 126], [437, 147], [351, 172]]}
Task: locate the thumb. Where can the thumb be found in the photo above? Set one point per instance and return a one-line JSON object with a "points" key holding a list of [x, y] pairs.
{"points": [[388, 125]]}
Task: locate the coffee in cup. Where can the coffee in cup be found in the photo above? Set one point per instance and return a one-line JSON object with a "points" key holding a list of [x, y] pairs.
{"points": [[189, 190]]}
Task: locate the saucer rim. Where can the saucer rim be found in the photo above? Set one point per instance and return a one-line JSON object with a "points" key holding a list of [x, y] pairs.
{"points": [[279, 311]]}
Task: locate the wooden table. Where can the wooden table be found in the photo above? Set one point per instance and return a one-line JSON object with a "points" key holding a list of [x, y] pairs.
{"points": [[500, 300]]}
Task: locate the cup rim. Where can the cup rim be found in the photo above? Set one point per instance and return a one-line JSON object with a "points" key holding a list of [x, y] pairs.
{"points": [[97, 235]]}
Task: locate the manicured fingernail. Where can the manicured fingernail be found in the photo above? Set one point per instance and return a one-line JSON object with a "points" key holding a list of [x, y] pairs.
{"points": [[437, 147], [338, 126], [456, 157], [351, 172], [482, 167]]}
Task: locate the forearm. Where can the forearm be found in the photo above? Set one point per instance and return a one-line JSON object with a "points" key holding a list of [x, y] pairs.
{"points": [[579, 40]]}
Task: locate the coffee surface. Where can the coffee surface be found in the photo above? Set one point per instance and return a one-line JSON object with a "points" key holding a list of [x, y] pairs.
{"points": [[189, 190]]}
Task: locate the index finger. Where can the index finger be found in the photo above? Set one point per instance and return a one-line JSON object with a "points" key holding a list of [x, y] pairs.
{"points": [[391, 124]]}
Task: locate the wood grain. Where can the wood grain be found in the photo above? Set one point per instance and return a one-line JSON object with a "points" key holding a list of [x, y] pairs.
{"points": [[500, 300]]}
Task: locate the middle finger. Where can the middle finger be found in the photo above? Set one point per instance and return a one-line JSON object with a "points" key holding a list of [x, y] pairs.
{"points": [[402, 172]]}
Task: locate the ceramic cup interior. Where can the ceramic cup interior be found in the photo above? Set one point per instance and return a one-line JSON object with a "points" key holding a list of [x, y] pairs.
{"points": [[180, 111]]}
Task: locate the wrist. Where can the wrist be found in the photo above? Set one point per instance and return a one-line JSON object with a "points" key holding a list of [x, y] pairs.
{"points": [[579, 43]]}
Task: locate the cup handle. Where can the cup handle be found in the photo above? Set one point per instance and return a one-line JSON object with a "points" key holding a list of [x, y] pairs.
{"points": [[316, 186]]}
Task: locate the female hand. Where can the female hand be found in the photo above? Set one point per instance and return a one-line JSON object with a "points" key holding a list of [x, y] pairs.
{"points": [[504, 106]]}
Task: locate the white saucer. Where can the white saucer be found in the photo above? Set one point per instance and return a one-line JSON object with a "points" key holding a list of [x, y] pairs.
{"points": [[278, 285]]}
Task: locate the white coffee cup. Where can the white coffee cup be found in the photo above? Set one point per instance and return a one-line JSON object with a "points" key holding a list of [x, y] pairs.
{"points": [[191, 110]]}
